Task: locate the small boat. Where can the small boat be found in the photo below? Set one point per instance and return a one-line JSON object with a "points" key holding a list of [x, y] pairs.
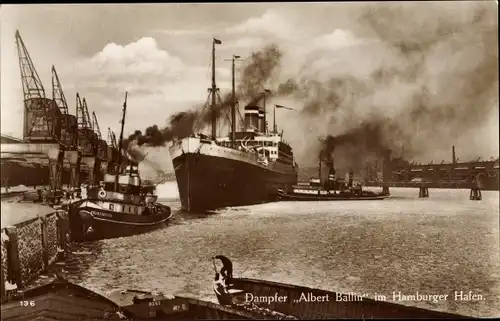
{"points": [[308, 303], [314, 191], [333, 189], [63, 300], [120, 206]]}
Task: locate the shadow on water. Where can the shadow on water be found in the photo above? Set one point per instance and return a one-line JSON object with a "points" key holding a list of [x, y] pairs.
{"points": [[74, 265]]}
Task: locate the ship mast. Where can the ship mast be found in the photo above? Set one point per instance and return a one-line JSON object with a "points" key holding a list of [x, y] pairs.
{"points": [[213, 90], [233, 106], [120, 144]]}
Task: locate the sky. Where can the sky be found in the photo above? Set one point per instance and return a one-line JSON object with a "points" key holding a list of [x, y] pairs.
{"points": [[160, 54]]}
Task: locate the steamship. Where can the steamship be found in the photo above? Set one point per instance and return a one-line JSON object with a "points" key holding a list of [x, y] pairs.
{"points": [[247, 167]]}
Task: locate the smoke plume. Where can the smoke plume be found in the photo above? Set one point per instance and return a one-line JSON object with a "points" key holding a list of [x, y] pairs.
{"points": [[258, 70], [421, 77]]}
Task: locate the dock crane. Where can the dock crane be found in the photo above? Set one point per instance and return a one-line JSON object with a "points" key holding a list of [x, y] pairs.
{"points": [[102, 146], [84, 128], [69, 130], [68, 121], [42, 118], [88, 121], [115, 158], [87, 140], [112, 138], [95, 125]]}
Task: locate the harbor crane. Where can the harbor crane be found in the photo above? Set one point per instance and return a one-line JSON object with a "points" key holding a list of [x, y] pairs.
{"points": [[42, 120], [112, 138], [69, 131], [102, 147], [95, 125], [115, 158], [87, 140]]}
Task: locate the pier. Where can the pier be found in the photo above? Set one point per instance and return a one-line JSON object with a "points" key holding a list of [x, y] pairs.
{"points": [[475, 176], [57, 147], [31, 241]]}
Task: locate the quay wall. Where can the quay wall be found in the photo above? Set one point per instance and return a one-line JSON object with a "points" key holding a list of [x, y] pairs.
{"points": [[28, 248]]}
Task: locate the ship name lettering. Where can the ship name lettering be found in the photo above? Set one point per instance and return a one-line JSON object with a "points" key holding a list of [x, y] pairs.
{"points": [[310, 297], [96, 213]]}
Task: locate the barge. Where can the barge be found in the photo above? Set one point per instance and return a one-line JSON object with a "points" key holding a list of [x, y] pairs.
{"points": [[309, 303]]}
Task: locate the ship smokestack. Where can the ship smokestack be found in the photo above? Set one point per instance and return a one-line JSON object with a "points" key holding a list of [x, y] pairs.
{"points": [[252, 118], [454, 159], [331, 173], [262, 122], [386, 171]]}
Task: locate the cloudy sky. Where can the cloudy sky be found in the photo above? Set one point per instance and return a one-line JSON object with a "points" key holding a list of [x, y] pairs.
{"points": [[160, 53]]}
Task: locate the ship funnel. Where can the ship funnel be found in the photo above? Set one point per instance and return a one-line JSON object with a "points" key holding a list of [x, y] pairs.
{"points": [[252, 122], [262, 122], [454, 158], [386, 170]]}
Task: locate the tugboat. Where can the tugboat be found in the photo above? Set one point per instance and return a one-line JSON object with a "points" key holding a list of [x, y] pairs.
{"points": [[120, 206], [333, 189]]}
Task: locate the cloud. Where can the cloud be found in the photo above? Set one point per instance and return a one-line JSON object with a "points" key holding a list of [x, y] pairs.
{"points": [[159, 83], [181, 32], [140, 58], [337, 39], [271, 23]]}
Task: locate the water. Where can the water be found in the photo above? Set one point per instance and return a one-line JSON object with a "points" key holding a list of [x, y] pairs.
{"points": [[434, 246]]}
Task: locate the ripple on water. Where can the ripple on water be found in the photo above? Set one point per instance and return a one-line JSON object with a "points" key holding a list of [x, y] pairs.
{"points": [[437, 245]]}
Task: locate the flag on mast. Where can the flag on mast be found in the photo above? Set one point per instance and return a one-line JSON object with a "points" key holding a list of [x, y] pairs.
{"points": [[281, 106], [217, 41]]}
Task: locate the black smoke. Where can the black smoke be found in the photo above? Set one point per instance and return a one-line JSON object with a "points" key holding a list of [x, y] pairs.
{"points": [[257, 72], [424, 75]]}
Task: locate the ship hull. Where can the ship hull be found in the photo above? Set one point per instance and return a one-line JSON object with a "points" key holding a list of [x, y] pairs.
{"points": [[212, 177], [88, 223], [337, 197], [310, 303]]}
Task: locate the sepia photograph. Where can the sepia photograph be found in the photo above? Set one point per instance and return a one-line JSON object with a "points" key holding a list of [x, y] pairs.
{"points": [[268, 160]]}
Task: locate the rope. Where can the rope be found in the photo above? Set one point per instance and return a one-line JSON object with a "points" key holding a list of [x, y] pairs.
{"points": [[215, 267]]}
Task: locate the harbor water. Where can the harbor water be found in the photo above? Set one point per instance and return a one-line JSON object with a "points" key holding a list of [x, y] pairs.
{"points": [[404, 244]]}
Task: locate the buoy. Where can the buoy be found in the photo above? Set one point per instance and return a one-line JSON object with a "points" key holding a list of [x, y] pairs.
{"points": [[102, 193]]}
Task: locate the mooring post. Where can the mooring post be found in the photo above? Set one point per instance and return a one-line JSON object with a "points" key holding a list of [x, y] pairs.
{"points": [[475, 194], [423, 191], [475, 191], [13, 260]]}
